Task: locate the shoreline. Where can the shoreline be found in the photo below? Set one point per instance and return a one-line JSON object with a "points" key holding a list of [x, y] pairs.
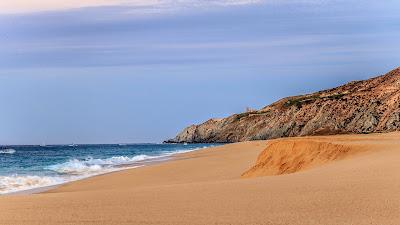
{"points": [[135, 165], [206, 187]]}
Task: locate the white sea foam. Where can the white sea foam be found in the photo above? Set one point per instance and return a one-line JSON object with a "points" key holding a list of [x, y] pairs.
{"points": [[76, 169], [90, 166], [20, 183], [7, 151], [94, 166]]}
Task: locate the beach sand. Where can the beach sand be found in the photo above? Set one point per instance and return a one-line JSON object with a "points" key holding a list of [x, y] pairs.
{"points": [[207, 187]]}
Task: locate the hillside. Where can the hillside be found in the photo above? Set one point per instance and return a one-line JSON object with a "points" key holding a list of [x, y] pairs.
{"points": [[357, 107]]}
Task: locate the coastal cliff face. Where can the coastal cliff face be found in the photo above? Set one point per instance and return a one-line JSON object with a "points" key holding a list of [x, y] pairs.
{"points": [[366, 106]]}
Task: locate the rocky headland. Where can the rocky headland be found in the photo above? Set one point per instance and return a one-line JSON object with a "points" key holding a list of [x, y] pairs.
{"points": [[365, 106]]}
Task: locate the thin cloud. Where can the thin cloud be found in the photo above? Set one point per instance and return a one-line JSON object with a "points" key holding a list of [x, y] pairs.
{"points": [[28, 6]]}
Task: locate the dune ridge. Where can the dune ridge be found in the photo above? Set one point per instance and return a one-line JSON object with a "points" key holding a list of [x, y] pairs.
{"points": [[286, 156]]}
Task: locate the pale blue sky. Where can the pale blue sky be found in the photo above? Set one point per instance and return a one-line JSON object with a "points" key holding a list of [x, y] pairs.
{"points": [[140, 71]]}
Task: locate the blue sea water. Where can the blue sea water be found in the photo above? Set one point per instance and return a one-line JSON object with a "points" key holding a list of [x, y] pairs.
{"points": [[28, 167]]}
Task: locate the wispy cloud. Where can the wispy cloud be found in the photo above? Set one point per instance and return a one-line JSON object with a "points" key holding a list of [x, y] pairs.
{"points": [[27, 6], [248, 36]]}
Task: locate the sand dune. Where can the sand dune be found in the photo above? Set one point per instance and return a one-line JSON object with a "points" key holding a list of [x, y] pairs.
{"points": [[293, 155], [346, 179]]}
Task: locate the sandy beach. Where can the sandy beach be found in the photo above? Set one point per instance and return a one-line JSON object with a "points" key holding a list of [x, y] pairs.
{"points": [[359, 186]]}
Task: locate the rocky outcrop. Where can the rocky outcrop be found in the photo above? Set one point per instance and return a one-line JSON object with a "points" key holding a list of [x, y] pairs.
{"points": [[366, 106]]}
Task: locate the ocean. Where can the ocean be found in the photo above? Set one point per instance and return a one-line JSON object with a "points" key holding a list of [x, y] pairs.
{"points": [[28, 167]]}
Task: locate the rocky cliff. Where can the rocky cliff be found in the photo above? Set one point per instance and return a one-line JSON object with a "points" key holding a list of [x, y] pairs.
{"points": [[366, 106]]}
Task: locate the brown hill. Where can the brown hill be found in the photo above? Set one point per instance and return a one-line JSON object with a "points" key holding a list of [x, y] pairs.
{"points": [[366, 106]]}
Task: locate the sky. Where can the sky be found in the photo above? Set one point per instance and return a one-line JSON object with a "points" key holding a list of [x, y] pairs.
{"points": [[128, 71]]}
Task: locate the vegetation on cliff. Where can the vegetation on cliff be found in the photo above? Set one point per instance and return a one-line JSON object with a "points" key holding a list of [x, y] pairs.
{"points": [[366, 106]]}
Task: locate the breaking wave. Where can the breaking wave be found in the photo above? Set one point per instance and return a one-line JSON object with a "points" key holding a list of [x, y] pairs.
{"points": [[7, 151], [90, 165], [76, 169]]}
